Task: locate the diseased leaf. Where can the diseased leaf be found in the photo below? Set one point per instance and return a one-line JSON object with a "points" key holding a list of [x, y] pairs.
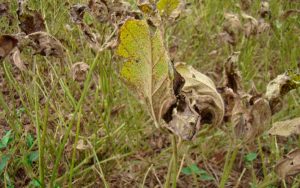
{"points": [[7, 44], [289, 165], [202, 95], [280, 86], [79, 71], [167, 7], [31, 21], [15, 58], [4, 7], [81, 145], [286, 128], [46, 45], [147, 71], [146, 6]]}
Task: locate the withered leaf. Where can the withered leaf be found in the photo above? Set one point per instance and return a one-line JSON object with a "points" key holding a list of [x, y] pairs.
{"points": [[290, 12], [232, 24], [265, 9], [7, 44], [46, 44], [185, 121], [79, 71], [280, 86], [82, 146], [289, 165], [251, 27], [232, 75], [4, 7], [202, 95], [77, 12], [245, 4], [15, 58], [31, 21], [286, 128], [146, 6]]}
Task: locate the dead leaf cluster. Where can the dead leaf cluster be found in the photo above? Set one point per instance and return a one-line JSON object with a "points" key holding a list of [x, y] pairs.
{"points": [[235, 25]]}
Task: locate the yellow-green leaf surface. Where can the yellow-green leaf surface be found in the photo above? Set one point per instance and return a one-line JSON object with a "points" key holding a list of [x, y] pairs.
{"points": [[167, 6], [147, 70]]}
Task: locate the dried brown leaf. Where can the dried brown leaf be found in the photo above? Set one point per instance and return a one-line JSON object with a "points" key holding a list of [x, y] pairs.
{"points": [[251, 27], [31, 21], [232, 24], [286, 128], [77, 12], [4, 7], [289, 165], [245, 4], [289, 13], [278, 87], [81, 146], [265, 10], [232, 74], [79, 71], [46, 44], [202, 95], [15, 58], [7, 44]]}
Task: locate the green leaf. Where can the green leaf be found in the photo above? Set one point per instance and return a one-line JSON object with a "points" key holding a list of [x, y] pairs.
{"points": [[166, 7], [206, 177], [192, 169], [3, 162], [35, 183], [5, 140], [29, 140], [250, 157], [147, 71], [32, 157]]}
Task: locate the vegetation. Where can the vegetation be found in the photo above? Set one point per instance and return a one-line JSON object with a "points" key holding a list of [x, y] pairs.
{"points": [[73, 114]]}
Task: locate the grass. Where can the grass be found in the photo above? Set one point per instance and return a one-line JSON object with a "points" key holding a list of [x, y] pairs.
{"points": [[48, 113]]}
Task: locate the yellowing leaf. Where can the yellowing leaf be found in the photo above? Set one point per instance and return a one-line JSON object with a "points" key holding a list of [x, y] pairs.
{"points": [[166, 7], [286, 128], [147, 71]]}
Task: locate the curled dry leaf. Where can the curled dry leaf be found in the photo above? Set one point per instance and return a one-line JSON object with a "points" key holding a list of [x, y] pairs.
{"points": [[46, 44], [7, 44], [286, 128], [113, 12], [31, 21], [4, 7], [147, 71], [289, 165], [201, 94], [79, 71], [245, 4], [15, 58], [250, 114], [280, 86], [82, 146], [232, 26], [251, 27], [146, 6], [265, 10], [77, 12], [289, 13]]}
